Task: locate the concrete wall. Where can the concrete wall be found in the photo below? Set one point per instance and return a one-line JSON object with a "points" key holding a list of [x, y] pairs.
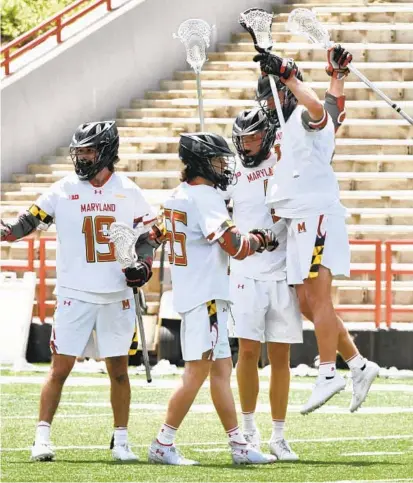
{"points": [[90, 76]]}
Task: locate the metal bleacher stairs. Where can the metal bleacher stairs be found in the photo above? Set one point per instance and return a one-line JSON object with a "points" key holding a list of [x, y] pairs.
{"points": [[374, 151]]}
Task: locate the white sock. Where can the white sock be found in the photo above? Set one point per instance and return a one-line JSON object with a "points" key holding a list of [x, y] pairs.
{"points": [[120, 435], [43, 432], [236, 436], [327, 369], [166, 435], [277, 429], [356, 362], [248, 422]]}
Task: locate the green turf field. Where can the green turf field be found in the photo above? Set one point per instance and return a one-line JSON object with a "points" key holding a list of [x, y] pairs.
{"points": [[375, 444]]}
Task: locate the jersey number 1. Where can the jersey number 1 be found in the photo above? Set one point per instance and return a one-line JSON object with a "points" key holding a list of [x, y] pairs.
{"points": [[274, 217], [174, 236], [93, 229]]}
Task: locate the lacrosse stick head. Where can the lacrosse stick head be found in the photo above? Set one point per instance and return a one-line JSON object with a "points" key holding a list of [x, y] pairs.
{"points": [[195, 34], [257, 22], [124, 238], [302, 21]]}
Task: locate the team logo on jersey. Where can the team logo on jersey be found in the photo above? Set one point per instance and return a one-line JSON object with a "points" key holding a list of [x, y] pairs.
{"points": [[98, 192], [67, 302], [301, 227], [74, 197], [241, 286], [125, 304]]}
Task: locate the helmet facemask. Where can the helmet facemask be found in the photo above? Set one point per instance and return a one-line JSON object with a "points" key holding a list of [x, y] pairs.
{"points": [[265, 99], [223, 168], [207, 155], [253, 136], [104, 139]]}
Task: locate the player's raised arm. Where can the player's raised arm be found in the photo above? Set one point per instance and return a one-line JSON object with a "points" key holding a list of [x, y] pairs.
{"points": [[315, 117], [338, 60], [26, 224]]}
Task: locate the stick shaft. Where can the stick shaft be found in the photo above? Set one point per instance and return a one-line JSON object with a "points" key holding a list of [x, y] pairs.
{"points": [[277, 101], [381, 94], [200, 100], [142, 335]]}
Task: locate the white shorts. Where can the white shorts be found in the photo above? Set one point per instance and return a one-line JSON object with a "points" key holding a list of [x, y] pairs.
{"points": [[83, 329], [204, 328], [314, 241], [265, 311]]}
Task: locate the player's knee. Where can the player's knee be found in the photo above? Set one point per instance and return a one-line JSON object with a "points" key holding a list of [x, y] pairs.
{"points": [[279, 356], [221, 369], [60, 374], [196, 372], [120, 378], [249, 352]]}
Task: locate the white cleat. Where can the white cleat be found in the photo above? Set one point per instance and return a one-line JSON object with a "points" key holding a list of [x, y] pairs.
{"points": [[362, 381], [122, 452], [167, 455], [42, 451], [246, 454], [324, 389], [253, 438], [282, 450]]}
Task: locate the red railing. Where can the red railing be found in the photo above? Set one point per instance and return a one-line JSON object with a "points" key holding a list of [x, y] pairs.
{"points": [[54, 26], [376, 271], [390, 271], [42, 302]]}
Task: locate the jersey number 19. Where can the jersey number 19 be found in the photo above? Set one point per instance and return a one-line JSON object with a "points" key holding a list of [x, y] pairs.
{"points": [[94, 229]]}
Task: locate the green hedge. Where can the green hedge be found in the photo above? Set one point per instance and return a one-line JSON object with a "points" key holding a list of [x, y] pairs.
{"points": [[19, 16]]}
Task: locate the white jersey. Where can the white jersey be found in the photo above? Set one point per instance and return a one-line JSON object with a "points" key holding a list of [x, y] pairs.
{"points": [[250, 211], [315, 190], [195, 217], [83, 213]]}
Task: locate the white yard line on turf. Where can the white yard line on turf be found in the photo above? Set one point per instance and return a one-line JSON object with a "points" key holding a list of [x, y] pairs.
{"points": [[261, 408], [374, 453], [62, 416], [224, 443], [76, 381]]}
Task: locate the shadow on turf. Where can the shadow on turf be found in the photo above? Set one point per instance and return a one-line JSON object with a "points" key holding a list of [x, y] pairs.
{"points": [[283, 464]]}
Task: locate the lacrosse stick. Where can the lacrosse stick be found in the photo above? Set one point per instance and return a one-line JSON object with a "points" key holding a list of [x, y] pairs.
{"points": [[195, 35], [257, 22], [124, 238], [302, 21]]}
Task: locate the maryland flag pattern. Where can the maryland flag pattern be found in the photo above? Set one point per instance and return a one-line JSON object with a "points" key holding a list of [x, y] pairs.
{"points": [[133, 349], [212, 312], [41, 215], [317, 256]]}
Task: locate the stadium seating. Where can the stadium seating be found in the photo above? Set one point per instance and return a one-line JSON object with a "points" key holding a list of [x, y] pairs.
{"points": [[374, 148]]}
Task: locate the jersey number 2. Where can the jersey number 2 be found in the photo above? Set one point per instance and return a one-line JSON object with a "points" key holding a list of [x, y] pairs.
{"points": [[174, 236], [93, 229]]}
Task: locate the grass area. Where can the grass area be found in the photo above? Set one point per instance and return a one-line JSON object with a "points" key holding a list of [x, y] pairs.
{"points": [[363, 446]]}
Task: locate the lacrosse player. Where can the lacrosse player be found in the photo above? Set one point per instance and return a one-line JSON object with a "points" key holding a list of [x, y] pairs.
{"points": [[201, 237], [265, 308], [305, 192], [95, 311]]}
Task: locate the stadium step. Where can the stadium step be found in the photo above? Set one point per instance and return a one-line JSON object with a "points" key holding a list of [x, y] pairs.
{"points": [[346, 32], [142, 110], [312, 71], [362, 52], [246, 88], [352, 128]]}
